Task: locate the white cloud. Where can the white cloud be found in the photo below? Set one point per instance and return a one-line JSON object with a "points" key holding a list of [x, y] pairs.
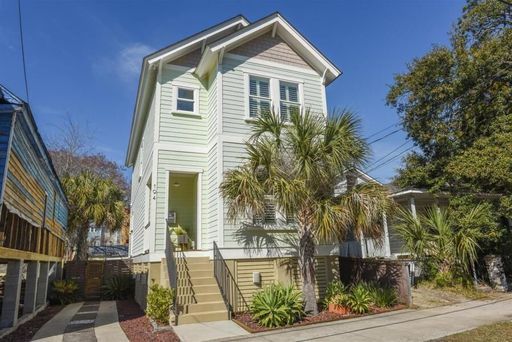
{"points": [[126, 64], [130, 60]]}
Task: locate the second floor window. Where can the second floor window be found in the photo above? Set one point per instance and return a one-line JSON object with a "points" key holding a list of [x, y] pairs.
{"points": [[259, 95], [288, 99], [185, 100]]}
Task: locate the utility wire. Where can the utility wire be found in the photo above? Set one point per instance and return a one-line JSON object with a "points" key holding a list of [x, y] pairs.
{"points": [[23, 50], [382, 130], [388, 154], [385, 136], [389, 160]]}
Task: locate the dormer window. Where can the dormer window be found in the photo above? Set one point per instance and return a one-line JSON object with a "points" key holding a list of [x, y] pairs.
{"points": [[259, 95], [186, 100], [288, 99]]}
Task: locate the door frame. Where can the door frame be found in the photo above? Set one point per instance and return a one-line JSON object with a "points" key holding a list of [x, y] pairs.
{"points": [[198, 172]]}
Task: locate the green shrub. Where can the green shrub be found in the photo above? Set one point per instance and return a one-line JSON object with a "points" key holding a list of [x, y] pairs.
{"points": [[277, 305], [118, 287], [444, 279], [383, 297], [64, 292], [159, 302], [334, 288], [359, 299]]}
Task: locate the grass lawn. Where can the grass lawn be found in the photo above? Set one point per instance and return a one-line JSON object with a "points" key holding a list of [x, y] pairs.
{"points": [[495, 332]]}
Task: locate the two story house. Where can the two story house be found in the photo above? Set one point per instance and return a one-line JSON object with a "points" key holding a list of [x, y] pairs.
{"points": [[196, 99]]}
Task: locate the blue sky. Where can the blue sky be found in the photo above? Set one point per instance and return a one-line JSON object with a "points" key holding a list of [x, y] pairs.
{"points": [[83, 57]]}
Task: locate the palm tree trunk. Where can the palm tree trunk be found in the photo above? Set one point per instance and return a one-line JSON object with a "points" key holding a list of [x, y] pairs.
{"points": [[307, 269], [81, 243]]}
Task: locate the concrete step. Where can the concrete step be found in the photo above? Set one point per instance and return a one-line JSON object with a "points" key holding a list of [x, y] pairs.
{"points": [[208, 297], [204, 273], [195, 260], [211, 316], [203, 281], [205, 307], [205, 288]]}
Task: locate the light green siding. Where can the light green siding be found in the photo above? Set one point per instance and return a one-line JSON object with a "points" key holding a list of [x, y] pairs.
{"points": [[139, 180], [234, 117], [178, 128], [233, 87], [167, 161]]}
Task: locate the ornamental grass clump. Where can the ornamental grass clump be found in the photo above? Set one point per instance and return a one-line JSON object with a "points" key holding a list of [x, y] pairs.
{"points": [[64, 291], [360, 299], [277, 305], [118, 287]]}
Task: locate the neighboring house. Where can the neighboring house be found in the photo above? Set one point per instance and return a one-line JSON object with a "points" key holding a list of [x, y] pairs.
{"points": [[195, 101], [33, 215], [364, 247], [101, 236]]}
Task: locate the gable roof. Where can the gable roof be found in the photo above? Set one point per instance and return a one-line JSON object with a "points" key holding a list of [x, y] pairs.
{"points": [[213, 42], [150, 66], [278, 25]]}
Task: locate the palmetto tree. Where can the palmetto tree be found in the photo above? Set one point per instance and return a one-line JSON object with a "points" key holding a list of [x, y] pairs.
{"points": [[95, 200], [299, 163], [435, 235]]}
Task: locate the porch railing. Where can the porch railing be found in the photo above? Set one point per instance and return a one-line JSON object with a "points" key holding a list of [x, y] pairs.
{"points": [[172, 271], [233, 298], [179, 279]]}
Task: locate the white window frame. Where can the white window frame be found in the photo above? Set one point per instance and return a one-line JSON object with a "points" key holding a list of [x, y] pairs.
{"points": [[299, 96], [195, 101], [275, 98], [247, 93]]}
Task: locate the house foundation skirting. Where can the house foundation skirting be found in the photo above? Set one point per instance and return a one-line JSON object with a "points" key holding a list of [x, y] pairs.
{"points": [[270, 270]]}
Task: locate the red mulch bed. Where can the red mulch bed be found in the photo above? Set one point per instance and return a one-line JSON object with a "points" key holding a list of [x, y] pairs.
{"points": [[137, 326], [245, 320], [27, 330]]}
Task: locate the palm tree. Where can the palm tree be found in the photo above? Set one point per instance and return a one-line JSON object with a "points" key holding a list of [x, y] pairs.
{"points": [[436, 236], [95, 200], [299, 163]]}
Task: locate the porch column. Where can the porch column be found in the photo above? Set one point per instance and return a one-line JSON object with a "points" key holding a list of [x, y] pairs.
{"points": [[387, 246], [29, 302], [12, 290], [42, 283], [412, 204]]}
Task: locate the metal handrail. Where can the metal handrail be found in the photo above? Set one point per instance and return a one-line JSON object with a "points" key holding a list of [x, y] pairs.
{"points": [[233, 298], [172, 271]]}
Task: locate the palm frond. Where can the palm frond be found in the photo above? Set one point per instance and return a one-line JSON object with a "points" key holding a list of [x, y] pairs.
{"points": [[243, 192]]}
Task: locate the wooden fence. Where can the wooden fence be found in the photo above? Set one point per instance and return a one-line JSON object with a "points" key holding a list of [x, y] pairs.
{"points": [[389, 273], [90, 275]]}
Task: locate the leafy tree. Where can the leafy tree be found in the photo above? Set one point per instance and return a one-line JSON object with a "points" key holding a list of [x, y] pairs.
{"points": [[452, 97], [72, 156], [95, 200], [299, 163]]}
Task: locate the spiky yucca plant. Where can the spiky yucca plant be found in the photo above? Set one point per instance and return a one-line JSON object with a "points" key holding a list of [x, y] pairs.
{"points": [[359, 299], [299, 162], [277, 305]]}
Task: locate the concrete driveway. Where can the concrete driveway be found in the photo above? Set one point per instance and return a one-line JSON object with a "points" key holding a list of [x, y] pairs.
{"points": [[405, 325]]}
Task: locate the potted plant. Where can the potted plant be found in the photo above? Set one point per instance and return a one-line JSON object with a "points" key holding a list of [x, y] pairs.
{"points": [[181, 235], [338, 304]]}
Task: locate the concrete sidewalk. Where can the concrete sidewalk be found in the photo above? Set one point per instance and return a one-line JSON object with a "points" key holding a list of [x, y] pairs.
{"points": [[405, 325], [84, 322]]}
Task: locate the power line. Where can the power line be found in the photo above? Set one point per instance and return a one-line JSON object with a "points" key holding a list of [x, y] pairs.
{"points": [[385, 136], [382, 130], [388, 154], [389, 160], [23, 50]]}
